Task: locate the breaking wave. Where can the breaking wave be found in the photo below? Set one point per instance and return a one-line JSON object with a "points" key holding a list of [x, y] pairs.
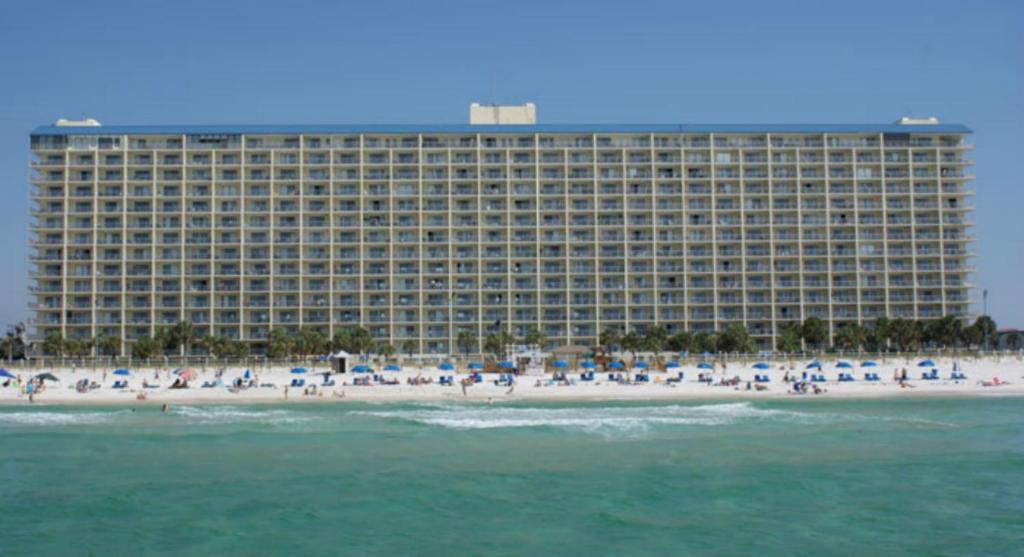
{"points": [[42, 418], [234, 414], [625, 418]]}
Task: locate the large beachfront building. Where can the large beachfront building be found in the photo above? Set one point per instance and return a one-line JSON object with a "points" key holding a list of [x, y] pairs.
{"points": [[418, 232]]}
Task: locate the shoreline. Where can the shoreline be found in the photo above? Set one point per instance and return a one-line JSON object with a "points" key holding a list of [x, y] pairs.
{"points": [[528, 388]]}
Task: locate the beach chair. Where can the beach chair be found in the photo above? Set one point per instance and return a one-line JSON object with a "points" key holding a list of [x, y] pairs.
{"points": [[329, 383], [611, 377], [762, 379], [958, 375], [818, 378]]}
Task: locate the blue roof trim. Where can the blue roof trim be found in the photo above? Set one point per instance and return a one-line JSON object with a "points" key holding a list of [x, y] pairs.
{"points": [[467, 128]]}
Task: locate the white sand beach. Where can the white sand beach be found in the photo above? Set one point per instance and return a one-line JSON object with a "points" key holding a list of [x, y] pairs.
{"points": [[992, 375]]}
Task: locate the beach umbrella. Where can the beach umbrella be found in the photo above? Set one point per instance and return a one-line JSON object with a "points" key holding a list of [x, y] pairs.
{"points": [[298, 370], [814, 364], [844, 365], [122, 371], [446, 367], [392, 367], [46, 377], [506, 365], [868, 364], [641, 365], [705, 365], [186, 374], [761, 365], [672, 365], [615, 365], [5, 373], [475, 365], [560, 364], [588, 365], [360, 368], [926, 363]]}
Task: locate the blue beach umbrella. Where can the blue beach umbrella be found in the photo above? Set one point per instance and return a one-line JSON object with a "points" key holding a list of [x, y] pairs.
{"points": [[705, 365], [5, 373], [868, 364], [615, 365], [641, 365], [392, 367], [761, 365], [814, 364], [360, 368], [672, 365], [588, 365], [122, 371], [446, 367], [475, 365], [926, 363], [298, 370], [506, 365], [560, 364], [844, 365]]}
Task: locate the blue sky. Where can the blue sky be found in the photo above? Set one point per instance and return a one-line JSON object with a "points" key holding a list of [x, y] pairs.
{"points": [[152, 62]]}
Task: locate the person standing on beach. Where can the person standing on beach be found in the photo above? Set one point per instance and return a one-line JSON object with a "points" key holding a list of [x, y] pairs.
{"points": [[286, 392]]}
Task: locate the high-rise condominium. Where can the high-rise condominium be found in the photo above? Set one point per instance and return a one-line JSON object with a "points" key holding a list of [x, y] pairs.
{"points": [[419, 232]]}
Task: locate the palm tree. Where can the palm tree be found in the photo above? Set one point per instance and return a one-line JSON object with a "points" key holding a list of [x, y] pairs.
{"points": [[609, 339], [360, 340], [850, 337], [679, 342], [788, 339], [987, 327], [107, 345], [466, 341], [735, 338], [53, 344], [631, 342], [498, 343], [279, 343], [183, 335], [309, 341], [409, 347], [814, 332], [385, 350], [905, 334], [144, 348], [535, 338], [654, 340]]}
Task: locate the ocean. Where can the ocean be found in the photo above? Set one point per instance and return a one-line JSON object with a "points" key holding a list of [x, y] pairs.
{"points": [[803, 477]]}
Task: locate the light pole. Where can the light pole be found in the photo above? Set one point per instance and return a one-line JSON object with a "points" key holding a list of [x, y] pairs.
{"points": [[984, 310]]}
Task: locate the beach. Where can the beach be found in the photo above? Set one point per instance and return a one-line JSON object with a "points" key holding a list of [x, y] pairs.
{"points": [[990, 376]]}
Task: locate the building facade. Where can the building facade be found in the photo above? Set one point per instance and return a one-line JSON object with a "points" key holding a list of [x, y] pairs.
{"points": [[420, 232]]}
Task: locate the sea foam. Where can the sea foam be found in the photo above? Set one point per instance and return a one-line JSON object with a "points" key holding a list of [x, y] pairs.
{"points": [[44, 418], [595, 418], [234, 414]]}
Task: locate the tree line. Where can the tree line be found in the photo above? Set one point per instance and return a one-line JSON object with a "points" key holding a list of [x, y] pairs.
{"points": [[883, 335]]}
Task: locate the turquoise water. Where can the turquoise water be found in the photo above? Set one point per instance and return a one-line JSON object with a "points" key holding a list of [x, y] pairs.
{"points": [[907, 477]]}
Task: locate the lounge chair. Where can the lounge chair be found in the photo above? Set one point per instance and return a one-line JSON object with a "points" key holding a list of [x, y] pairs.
{"points": [[958, 375], [329, 383]]}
